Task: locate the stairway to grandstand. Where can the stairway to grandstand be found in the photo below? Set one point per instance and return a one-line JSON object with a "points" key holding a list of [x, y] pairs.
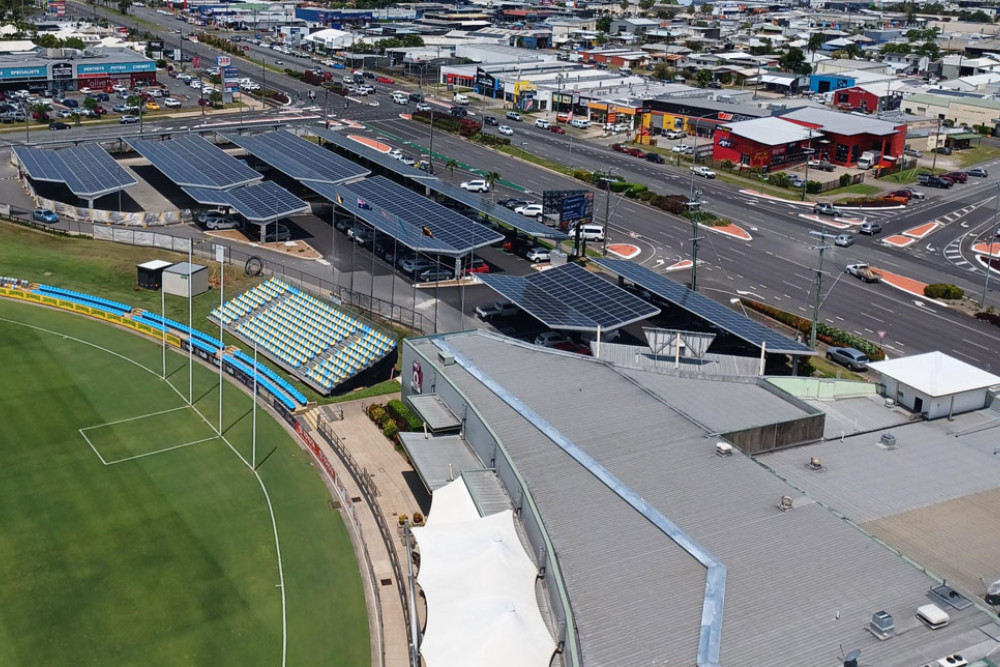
{"points": [[322, 344]]}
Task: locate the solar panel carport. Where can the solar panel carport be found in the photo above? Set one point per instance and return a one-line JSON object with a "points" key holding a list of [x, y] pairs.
{"points": [[298, 158], [260, 203], [571, 298], [738, 325], [369, 154], [87, 170], [191, 161]]}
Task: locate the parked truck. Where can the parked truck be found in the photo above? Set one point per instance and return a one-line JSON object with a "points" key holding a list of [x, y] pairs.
{"points": [[863, 272], [869, 159], [496, 309]]}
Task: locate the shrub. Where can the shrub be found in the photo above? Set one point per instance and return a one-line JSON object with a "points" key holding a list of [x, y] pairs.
{"points": [[992, 318], [824, 332], [582, 175], [376, 413], [779, 179], [813, 187], [845, 180], [467, 128], [648, 195], [943, 291], [389, 429], [403, 416], [675, 204], [727, 165], [867, 202]]}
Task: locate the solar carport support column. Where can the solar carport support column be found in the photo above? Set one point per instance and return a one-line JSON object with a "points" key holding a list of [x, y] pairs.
{"points": [[710, 636]]}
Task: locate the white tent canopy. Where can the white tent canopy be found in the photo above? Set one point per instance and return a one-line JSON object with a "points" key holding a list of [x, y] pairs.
{"points": [[480, 590], [452, 503]]}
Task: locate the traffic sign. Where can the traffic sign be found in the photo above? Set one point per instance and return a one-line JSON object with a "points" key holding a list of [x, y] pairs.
{"points": [[223, 61]]}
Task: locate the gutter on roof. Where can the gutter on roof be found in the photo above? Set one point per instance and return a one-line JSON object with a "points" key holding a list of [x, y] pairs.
{"points": [[710, 636]]}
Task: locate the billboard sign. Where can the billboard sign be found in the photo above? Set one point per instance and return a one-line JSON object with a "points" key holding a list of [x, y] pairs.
{"points": [[574, 207], [223, 61]]}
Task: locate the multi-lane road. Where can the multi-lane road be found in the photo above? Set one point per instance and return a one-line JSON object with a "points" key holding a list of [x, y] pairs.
{"points": [[778, 266]]}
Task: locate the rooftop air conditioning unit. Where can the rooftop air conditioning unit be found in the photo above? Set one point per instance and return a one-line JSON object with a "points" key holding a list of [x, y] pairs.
{"points": [[888, 440], [723, 449], [933, 616], [881, 624], [953, 660]]}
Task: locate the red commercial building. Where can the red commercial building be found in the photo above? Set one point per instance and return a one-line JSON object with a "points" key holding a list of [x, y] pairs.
{"points": [[789, 138], [868, 98]]}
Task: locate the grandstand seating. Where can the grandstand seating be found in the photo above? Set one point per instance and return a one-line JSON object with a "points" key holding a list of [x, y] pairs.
{"points": [[261, 380], [7, 281], [302, 332], [85, 299]]}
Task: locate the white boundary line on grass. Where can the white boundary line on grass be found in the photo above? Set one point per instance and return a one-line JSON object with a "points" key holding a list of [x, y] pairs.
{"points": [[132, 419], [267, 496], [92, 446], [161, 451]]}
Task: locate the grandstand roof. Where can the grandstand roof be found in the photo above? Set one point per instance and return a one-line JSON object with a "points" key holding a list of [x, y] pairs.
{"points": [[637, 596]]}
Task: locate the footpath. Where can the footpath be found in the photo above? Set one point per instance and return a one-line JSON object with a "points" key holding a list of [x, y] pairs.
{"points": [[365, 457]]}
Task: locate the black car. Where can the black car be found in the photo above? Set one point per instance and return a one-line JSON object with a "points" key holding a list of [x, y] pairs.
{"points": [[934, 181], [655, 157], [56, 125], [458, 112], [490, 120], [513, 202]]}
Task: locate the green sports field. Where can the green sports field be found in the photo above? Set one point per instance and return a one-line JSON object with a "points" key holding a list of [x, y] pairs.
{"points": [[132, 534]]}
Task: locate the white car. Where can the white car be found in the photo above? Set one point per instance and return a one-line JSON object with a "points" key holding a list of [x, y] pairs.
{"points": [[84, 90], [423, 106], [539, 254], [505, 129], [477, 185], [676, 134], [396, 154], [682, 148], [530, 210], [551, 339], [703, 171], [172, 103], [407, 160]]}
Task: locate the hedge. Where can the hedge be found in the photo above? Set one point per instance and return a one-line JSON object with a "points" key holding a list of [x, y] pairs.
{"points": [[403, 416], [943, 291], [824, 332], [992, 318], [867, 202], [813, 187]]}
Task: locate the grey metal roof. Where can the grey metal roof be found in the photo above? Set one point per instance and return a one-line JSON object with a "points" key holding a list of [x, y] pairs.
{"points": [[847, 124], [865, 481], [438, 459], [486, 491], [636, 596], [642, 358], [434, 412]]}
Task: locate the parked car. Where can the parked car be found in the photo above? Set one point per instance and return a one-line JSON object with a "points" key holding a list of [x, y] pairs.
{"points": [[279, 234], [827, 209], [848, 356], [934, 181], [44, 215], [496, 309], [956, 176], [676, 134], [978, 172], [682, 148], [900, 194], [538, 254], [478, 265], [476, 185], [530, 210], [513, 202], [152, 106], [655, 158], [506, 130], [914, 194], [870, 228], [118, 108], [435, 274], [703, 171], [844, 240], [217, 221], [58, 125], [943, 150], [128, 119], [822, 165], [551, 339], [415, 265], [407, 160], [563, 117], [172, 103], [913, 152], [556, 129], [619, 148], [635, 152], [796, 181], [70, 104], [542, 123], [515, 116]]}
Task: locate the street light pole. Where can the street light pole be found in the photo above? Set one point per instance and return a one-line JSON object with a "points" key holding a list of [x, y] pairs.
{"points": [[430, 146], [818, 285], [808, 157], [937, 140], [989, 250]]}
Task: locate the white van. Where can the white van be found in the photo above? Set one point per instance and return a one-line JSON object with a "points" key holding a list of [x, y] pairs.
{"points": [[542, 123], [581, 123], [400, 97], [591, 232], [460, 98]]}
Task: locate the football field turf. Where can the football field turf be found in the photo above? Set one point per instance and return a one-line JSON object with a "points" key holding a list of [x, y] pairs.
{"points": [[132, 533]]}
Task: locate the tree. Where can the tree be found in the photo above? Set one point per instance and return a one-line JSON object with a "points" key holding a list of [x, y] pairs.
{"points": [[664, 72], [703, 78], [929, 49], [76, 119], [646, 5], [134, 102], [792, 60], [624, 5], [896, 48], [850, 51], [40, 112], [451, 165], [816, 41], [124, 5], [89, 103], [603, 24], [490, 179], [215, 98], [74, 43], [766, 48], [48, 41], [727, 165]]}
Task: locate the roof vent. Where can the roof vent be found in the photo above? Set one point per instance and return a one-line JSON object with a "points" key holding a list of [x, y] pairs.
{"points": [[723, 449], [851, 659], [888, 440], [953, 660], [889, 403], [785, 503], [447, 358], [815, 463], [933, 616], [993, 594], [881, 625]]}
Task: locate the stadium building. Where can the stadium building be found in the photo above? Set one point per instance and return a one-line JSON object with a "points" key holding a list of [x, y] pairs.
{"points": [[657, 537]]}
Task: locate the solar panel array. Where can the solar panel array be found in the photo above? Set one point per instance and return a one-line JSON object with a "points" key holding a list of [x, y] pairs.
{"points": [[190, 160], [504, 215], [735, 323], [459, 232], [383, 160], [298, 158], [261, 202], [570, 297], [87, 170]]}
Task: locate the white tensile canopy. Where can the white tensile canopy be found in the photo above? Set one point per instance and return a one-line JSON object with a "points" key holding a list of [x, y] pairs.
{"points": [[480, 590], [451, 503]]}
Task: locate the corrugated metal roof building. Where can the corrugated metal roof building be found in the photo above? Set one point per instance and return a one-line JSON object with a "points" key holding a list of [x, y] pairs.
{"points": [[594, 458]]}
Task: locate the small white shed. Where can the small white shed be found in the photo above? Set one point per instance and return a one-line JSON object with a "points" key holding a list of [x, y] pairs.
{"points": [[935, 384], [175, 279]]}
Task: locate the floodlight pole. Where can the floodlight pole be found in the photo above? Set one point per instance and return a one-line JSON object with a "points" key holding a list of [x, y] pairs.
{"points": [[220, 254], [989, 249], [253, 452], [190, 324], [163, 316]]}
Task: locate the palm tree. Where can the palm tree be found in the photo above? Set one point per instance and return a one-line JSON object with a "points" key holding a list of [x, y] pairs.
{"points": [[451, 165], [215, 97], [490, 179], [40, 112]]}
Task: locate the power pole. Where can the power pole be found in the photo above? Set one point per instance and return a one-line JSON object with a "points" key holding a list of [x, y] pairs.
{"points": [[695, 207], [818, 284]]}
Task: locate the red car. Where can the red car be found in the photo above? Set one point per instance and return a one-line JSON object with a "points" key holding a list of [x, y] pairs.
{"points": [[556, 129], [100, 111], [570, 346], [478, 266], [619, 148], [635, 152], [562, 118], [385, 79], [959, 176], [904, 194]]}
